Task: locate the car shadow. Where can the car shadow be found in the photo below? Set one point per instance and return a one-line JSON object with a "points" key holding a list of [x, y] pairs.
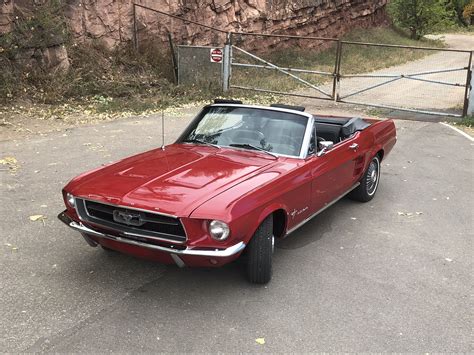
{"points": [[315, 229], [114, 267]]}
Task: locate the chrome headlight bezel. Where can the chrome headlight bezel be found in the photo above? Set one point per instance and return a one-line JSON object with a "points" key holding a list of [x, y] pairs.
{"points": [[218, 230], [71, 200]]}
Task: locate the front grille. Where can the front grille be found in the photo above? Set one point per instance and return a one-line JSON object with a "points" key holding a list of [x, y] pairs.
{"points": [[130, 222]]}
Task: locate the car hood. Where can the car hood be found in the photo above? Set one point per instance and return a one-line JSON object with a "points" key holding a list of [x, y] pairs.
{"points": [[175, 180]]}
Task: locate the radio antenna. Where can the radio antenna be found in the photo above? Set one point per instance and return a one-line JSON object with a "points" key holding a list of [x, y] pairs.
{"points": [[162, 129]]}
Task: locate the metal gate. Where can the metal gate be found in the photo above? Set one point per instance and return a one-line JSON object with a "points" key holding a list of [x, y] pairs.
{"points": [[422, 86], [436, 84]]}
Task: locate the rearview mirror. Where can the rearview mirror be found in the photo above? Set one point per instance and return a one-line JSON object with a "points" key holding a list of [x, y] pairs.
{"points": [[325, 146]]}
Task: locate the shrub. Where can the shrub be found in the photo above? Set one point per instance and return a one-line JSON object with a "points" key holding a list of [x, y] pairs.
{"points": [[421, 17]]}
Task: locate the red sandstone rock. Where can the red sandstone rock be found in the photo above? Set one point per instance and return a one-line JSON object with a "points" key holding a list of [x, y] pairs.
{"points": [[111, 21]]}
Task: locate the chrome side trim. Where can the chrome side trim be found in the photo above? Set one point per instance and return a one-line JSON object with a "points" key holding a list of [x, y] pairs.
{"points": [[321, 210], [217, 253]]}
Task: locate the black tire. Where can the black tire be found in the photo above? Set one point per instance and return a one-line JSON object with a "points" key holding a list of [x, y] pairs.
{"points": [[259, 253], [368, 183]]}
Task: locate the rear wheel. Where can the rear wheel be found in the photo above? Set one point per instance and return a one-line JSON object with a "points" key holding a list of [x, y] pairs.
{"points": [[260, 250], [369, 182]]}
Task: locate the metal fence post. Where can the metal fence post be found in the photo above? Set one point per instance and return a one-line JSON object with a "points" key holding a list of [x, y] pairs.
{"points": [[226, 63], [337, 68], [469, 95]]}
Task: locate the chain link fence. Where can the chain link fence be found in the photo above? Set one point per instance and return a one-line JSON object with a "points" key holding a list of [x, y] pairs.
{"points": [[195, 66]]}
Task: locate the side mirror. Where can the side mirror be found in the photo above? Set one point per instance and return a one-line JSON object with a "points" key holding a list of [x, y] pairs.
{"points": [[325, 147]]}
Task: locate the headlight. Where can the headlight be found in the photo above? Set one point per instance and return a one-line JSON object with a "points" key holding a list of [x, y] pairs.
{"points": [[70, 200], [219, 230]]}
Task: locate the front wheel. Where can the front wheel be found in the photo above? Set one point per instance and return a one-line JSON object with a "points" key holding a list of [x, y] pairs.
{"points": [[369, 182], [260, 250]]}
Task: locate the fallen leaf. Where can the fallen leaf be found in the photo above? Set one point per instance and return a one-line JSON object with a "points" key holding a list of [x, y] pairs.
{"points": [[406, 214], [11, 163], [260, 341]]}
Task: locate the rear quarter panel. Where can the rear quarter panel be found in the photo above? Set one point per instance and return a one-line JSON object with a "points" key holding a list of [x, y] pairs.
{"points": [[380, 136]]}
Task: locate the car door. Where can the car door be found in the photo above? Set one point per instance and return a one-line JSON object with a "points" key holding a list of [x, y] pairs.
{"points": [[334, 172]]}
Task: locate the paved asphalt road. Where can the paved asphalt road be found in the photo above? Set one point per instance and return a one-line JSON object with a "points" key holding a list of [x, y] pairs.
{"points": [[359, 277]]}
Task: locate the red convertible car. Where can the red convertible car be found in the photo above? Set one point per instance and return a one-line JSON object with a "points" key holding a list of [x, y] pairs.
{"points": [[236, 179]]}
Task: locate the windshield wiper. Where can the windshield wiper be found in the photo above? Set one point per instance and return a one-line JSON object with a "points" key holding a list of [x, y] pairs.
{"points": [[198, 141], [251, 146]]}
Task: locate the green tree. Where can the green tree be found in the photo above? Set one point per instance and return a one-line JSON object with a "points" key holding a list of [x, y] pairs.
{"points": [[421, 17]]}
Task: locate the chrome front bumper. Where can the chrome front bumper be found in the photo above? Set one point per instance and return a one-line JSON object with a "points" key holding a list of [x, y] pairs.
{"points": [[85, 231]]}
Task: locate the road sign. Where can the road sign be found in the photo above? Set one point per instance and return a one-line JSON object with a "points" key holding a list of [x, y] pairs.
{"points": [[216, 55]]}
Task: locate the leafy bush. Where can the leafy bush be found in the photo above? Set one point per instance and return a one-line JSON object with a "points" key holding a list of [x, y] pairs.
{"points": [[421, 17]]}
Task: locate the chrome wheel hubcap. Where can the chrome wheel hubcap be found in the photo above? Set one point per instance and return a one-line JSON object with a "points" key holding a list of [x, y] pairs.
{"points": [[373, 175]]}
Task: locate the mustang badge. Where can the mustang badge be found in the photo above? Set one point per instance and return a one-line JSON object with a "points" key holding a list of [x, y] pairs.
{"points": [[129, 218]]}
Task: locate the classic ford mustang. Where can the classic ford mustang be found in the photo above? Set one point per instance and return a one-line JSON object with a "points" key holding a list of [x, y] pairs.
{"points": [[237, 178]]}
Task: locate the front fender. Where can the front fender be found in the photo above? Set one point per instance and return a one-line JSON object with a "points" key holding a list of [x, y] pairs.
{"points": [[243, 207]]}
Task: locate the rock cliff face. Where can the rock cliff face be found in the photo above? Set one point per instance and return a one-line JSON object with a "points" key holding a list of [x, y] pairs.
{"points": [[112, 21]]}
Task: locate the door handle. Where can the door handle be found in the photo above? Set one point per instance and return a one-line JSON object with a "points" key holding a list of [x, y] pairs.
{"points": [[354, 146]]}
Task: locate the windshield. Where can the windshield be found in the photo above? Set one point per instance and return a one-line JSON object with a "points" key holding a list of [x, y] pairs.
{"points": [[249, 128]]}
